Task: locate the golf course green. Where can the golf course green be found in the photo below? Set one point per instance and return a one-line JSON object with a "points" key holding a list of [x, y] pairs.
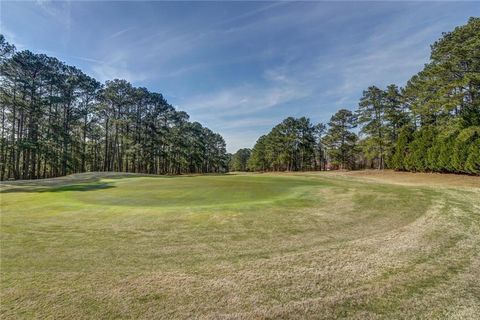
{"points": [[243, 246]]}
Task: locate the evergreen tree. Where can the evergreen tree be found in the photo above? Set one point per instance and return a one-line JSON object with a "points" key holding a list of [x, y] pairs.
{"points": [[257, 160], [240, 160], [371, 115], [341, 142]]}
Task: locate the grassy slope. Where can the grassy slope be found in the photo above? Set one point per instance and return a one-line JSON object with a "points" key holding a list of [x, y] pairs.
{"points": [[241, 246]]}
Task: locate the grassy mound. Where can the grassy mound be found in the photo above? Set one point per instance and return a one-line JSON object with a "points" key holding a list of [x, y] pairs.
{"points": [[239, 246]]}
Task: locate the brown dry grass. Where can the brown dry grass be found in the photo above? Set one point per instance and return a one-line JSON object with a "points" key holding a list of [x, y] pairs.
{"points": [[411, 178]]}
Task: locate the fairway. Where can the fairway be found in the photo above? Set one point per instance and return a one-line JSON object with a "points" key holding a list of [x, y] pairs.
{"points": [[306, 245]]}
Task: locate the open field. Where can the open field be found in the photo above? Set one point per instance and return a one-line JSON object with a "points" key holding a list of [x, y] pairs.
{"points": [[329, 245]]}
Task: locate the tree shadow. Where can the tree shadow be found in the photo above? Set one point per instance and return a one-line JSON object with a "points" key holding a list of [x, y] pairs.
{"points": [[88, 181], [82, 187], [71, 187]]}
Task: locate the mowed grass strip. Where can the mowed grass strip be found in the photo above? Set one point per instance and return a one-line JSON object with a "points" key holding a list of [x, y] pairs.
{"points": [[239, 246]]}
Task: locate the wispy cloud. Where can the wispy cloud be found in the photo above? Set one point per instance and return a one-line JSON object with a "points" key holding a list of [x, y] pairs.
{"points": [[250, 13], [119, 33], [60, 11], [246, 99], [117, 67], [87, 59], [383, 58]]}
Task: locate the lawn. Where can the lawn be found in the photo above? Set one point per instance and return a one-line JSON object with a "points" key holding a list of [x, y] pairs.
{"points": [[307, 245]]}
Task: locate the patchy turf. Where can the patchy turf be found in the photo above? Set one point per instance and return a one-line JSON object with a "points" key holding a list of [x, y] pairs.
{"points": [[319, 245]]}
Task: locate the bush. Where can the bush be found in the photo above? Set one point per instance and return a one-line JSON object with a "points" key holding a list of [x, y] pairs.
{"points": [[423, 141], [472, 164], [465, 148]]}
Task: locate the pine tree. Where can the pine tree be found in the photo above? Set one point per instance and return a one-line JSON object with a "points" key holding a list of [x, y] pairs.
{"points": [[341, 142], [371, 116]]}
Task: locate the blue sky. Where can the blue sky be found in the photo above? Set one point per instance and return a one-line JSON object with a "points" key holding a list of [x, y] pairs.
{"points": [[240, 67]]}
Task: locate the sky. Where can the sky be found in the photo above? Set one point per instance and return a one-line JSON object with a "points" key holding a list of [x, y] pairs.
{"points": [[240, 68]]}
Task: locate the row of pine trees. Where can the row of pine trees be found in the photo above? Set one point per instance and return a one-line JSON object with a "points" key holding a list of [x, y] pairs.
{"points": [[430, 125], [56, 120]]}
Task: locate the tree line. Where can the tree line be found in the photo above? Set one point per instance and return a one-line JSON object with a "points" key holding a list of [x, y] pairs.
{"points": [[56, 120], [432, 124]]}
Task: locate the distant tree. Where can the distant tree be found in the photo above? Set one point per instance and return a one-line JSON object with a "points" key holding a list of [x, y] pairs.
{"points": [[340, 140], [320, 149], [257, 160], [240, 160], [396, 117], [371, 115], [291, 145]]}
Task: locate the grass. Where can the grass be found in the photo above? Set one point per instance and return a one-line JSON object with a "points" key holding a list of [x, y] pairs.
{"points": [[312, 245]]}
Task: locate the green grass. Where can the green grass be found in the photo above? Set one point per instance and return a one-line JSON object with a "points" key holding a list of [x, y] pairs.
{"points": [[327, 246]]}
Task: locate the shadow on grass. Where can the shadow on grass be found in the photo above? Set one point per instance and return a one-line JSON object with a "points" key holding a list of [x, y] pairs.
{"points": [[81, 181], [71, 187]]}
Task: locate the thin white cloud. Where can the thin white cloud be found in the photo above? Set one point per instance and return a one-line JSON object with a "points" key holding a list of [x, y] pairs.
{"points": [[119, 33], [117, 67], [108, 72], [251, 13], [88, 59], [381, 60], [246, 99], [58, 10]]}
